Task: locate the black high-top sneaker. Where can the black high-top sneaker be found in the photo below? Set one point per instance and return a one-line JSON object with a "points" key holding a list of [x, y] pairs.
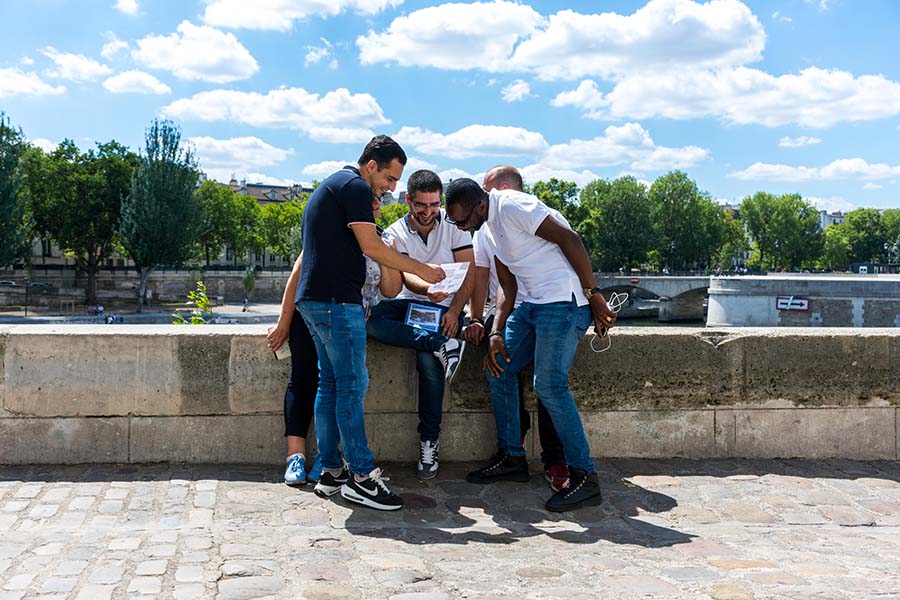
{"points": [[502, 467], [583, 489]]}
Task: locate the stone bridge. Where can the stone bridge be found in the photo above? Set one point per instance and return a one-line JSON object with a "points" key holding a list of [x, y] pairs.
{"points": [[680, 297]]}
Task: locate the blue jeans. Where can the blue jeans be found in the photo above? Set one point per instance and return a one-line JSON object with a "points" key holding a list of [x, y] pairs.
{"points": [[387, 325], [548, 334], [339, 331]]}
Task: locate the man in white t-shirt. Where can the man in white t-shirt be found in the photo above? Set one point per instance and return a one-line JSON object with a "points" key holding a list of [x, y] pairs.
{"points": [[424, 235], [552, 455], [550, 262]]}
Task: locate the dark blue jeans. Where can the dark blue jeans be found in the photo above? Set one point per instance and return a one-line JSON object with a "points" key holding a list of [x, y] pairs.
{"points": [[339, 331], [548, 333], [387, 325]]}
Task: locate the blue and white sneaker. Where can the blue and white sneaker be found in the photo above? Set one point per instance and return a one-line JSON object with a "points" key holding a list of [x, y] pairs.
{"points": [[295, 473], [316, 472]]}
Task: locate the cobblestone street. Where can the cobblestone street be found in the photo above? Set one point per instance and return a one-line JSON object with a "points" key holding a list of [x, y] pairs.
{"points": [[723, 529]]}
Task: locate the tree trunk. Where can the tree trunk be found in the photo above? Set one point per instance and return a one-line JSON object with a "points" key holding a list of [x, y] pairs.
{"points": [[142, 286]]}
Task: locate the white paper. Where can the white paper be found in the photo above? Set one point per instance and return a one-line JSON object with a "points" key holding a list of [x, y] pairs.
{"points": [[456, 273]]}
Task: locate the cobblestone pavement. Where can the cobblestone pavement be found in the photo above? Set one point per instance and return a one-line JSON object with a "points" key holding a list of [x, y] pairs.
{"points": [[723, 529]]}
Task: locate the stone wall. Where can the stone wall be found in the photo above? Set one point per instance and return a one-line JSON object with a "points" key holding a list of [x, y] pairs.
{"points": [[82, 393]]}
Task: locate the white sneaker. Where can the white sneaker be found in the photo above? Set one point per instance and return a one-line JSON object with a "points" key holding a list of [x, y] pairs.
{"points": [[450, 355], [372, 492]]}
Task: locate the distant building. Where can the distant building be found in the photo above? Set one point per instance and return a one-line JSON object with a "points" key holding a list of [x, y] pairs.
{"points": [[827, 219], [269, 194]]}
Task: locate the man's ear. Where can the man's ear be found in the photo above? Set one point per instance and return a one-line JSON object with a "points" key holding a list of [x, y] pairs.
{"points": [[371, 167]]}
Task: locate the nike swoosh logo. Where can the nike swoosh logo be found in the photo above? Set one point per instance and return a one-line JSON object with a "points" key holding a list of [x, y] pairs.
{"points": [[366, 490]]}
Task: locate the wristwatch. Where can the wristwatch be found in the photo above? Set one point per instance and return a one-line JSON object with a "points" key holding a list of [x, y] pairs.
{"points": [[588, 292]]}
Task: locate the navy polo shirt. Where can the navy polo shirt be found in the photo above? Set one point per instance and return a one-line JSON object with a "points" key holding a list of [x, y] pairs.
{"points": [[334, 267]]}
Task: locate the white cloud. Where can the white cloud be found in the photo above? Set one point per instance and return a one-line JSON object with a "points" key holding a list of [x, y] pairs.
{"points": [[822, 4], [75, 67], [44, 144], [14, 82], [542, 172], [831, 204], [516, 91], [628, 144], [26, 61], [587, 96], [129, 7], [338, 116], [814, 98], [316, 54], [798, 142], [414, 163], [503, 36], [237, 153], [325, 168], [135, 82], [846, 168], [474, 140], [663, 35], [873, 186], [113, 46], [451, 174], [224, 175], [453, 36], [197, 52], [780, 17], [279, 15]]}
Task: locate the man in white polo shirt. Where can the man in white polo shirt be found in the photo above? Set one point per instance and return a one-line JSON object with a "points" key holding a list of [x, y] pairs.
{"points": [[562, 299], [425, 236]]}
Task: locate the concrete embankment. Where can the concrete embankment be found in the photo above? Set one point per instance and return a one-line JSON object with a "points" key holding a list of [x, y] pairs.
{"points": [[82, 393]]}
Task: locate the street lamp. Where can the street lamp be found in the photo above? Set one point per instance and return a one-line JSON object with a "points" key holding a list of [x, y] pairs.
{"points": [[672, 257]]}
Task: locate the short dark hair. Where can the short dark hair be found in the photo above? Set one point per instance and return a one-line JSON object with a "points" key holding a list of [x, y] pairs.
{"points": [[424, 180], [383, 150], [465, 192]]}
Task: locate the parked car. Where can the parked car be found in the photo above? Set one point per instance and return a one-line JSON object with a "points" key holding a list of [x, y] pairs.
{"points": [[41, 284], [7, 282]]}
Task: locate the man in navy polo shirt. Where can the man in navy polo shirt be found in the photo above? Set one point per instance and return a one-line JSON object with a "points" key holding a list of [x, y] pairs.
{"points": [[338, 228]]}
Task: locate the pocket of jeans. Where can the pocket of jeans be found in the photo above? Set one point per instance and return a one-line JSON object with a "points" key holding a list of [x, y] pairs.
{"points": [[320, 321]]}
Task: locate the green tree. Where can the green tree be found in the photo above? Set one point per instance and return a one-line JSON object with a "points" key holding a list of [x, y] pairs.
{"points": [[161, 218], [230, 219], [866, 234], [836, 248], [784, 231], [891, 219], [689, 226], [619, 230], [275, 223], [734, 242], [77, 200], [563, 196], [391, 213], [15, 235]]}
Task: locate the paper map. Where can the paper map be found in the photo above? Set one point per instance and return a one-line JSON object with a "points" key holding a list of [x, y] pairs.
{"points": [[456, 273]]}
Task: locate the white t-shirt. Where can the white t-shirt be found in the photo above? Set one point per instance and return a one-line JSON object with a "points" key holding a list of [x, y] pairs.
{"points": [[484, 257], [540, 266], [442, 241]]}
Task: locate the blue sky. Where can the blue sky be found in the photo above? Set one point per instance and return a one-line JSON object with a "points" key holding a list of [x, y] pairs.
{"points": [[775, 95]]}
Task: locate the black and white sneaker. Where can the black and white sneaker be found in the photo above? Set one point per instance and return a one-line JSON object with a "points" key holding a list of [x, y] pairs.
{"points": [[450, 355], [372, 492], [330, 484], [428, 459]]}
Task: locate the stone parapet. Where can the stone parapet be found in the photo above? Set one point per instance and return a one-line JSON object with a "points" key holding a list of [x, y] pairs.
{"points": [[160, 393]]}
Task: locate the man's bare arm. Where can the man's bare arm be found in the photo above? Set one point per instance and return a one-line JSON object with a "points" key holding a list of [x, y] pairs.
{"points": [[372, 246]]}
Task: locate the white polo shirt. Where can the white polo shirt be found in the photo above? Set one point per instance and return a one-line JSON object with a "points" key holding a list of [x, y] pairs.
{"points": [[443, 240], [484, 257], [540, 266]]}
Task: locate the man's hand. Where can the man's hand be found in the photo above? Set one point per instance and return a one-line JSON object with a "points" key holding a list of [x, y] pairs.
{"points": [[496, 346], [604, 317], [432, 273], [278, 335], [473, 333], [437, 297], [450, 323]]}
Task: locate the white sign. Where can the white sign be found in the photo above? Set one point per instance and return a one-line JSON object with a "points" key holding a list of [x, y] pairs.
{"points": [[791, 303]]}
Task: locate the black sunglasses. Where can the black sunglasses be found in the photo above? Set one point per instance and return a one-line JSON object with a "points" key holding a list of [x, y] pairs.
{"points": [[462, 224]]}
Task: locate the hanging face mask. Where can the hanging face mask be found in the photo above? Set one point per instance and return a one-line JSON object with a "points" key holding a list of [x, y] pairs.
{"points": [[615, 302]]}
